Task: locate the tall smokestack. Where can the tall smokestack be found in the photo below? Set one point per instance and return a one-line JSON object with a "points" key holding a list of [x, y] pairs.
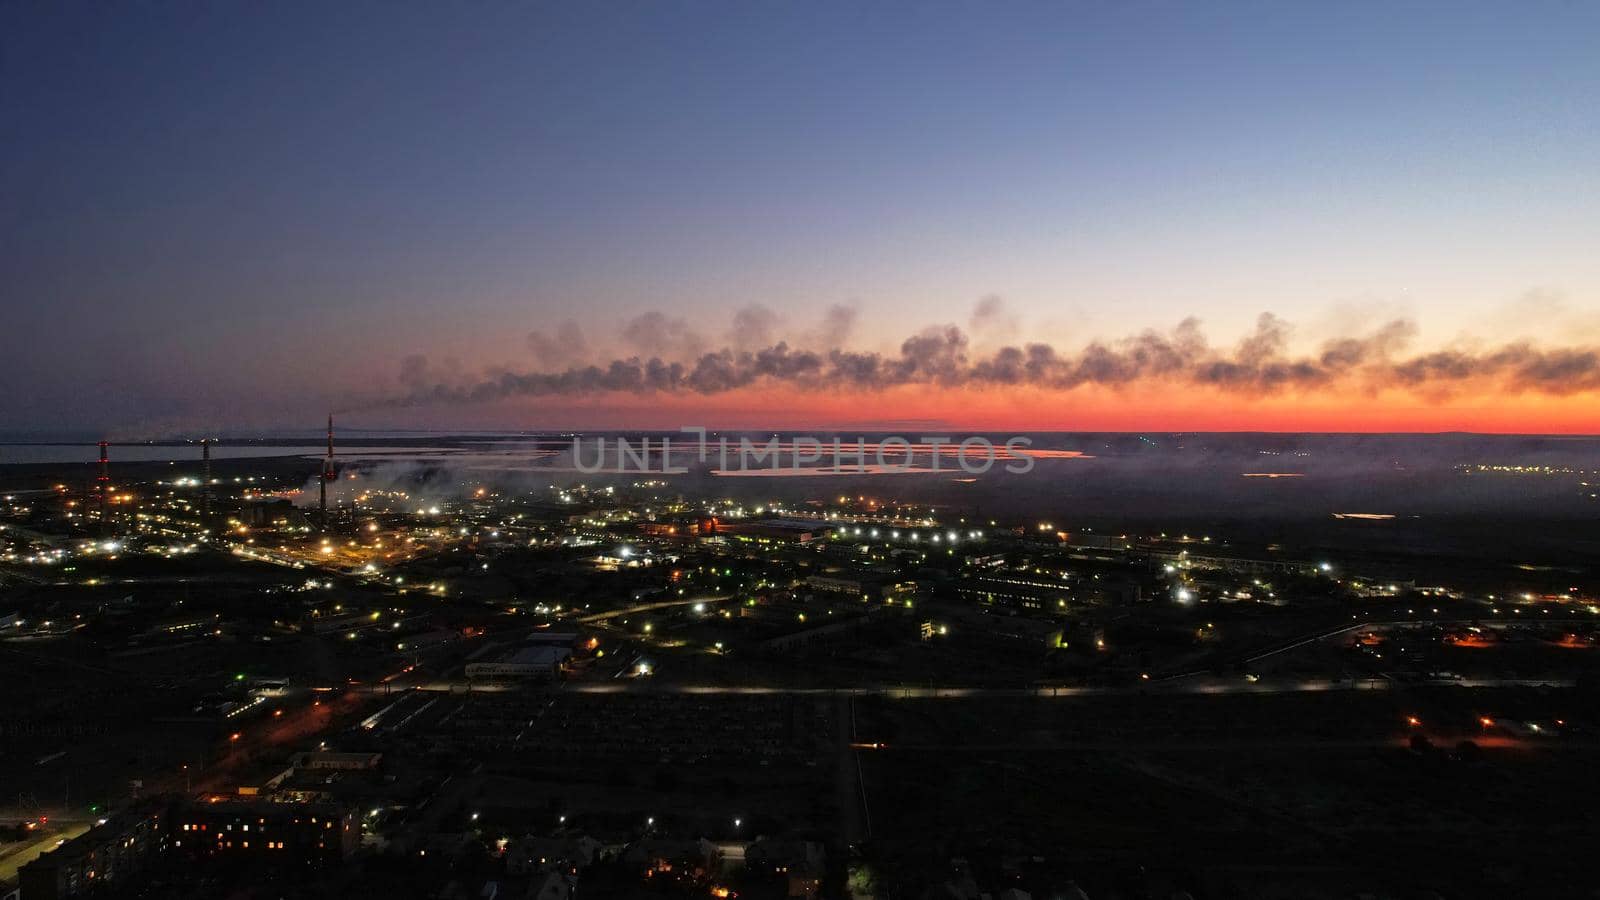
{"points": [[102, 485], [205, 488], [327, 476]]}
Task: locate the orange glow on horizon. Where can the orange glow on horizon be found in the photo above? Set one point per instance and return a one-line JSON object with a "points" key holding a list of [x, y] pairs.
{"points": [[1143, 408]]}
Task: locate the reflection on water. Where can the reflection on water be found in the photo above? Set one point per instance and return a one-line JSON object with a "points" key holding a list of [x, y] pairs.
{"points": [[856, 469]]}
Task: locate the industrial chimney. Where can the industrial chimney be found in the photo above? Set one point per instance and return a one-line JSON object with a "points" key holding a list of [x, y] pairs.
{"points": [[205, 488], [327, 476], [102, 486]]}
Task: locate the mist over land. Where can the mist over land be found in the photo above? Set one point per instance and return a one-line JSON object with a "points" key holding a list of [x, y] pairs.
{"points": [[1132, 477]]}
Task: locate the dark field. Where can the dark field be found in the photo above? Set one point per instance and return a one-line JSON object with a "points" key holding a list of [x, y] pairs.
{"points": [[1305, 796]]}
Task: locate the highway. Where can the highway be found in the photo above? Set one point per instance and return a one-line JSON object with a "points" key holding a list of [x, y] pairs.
{"points": [[1191, 685], [1496, 742], [641, 608], [14, 858]]}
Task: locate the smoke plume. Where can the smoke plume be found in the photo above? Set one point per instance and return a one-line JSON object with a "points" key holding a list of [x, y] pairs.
{"points": [[991, 321], [565, 348], [672, 360]]}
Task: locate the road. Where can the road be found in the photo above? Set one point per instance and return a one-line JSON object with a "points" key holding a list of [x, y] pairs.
{"points": [[14, 858], [1190, 685], [1491, 741], [849, 790], [639, 608]]}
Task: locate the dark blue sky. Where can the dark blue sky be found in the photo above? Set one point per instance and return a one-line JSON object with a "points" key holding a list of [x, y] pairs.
{"points": [[236, 212]]}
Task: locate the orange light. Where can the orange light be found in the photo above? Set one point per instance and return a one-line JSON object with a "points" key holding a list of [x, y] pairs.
{"points": [[1413, 721], [1486, 722]]}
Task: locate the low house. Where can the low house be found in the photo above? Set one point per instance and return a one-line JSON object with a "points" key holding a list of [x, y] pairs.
{"points": [[549, 854]]}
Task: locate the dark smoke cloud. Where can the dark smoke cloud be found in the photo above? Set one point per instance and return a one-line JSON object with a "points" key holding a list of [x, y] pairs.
{"points": [[1259, 364], [838, 324], [991, 320], [1519, 366], [420, 374], [1342, 354], [657, 334], [565, 348], [753, 327]]}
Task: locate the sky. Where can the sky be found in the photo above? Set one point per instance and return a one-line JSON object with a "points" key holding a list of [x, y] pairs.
{"points": [[225, 217]]}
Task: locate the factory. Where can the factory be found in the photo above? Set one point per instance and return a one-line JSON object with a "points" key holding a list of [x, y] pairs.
{"points": [[772, 531], [539, 662]]}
